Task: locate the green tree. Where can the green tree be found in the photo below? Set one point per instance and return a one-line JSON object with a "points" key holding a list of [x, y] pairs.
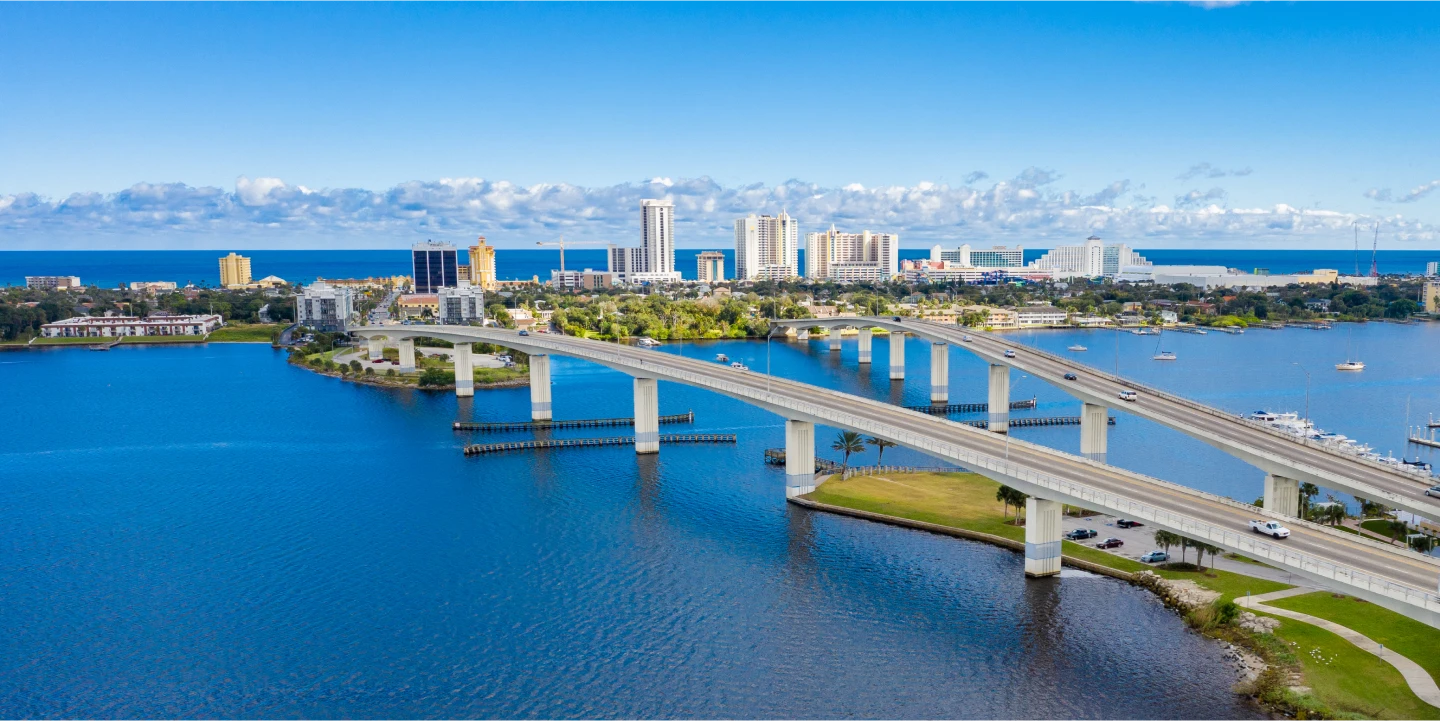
{"points": [[881, 444], [1202, 548], [1307, 492], [1397, 529], [434, 377], [1011, 497], [1423, 543], [848, 442], [1166, 539], [355, 366]]}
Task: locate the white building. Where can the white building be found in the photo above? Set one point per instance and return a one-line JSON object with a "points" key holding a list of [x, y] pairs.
{"points": [[1040, 316], [767, 247], [52, 282], [710, 266], [967, 257], [123, 326], [154, 286], [325, 307], [1094, 259], [852, 256], [1432, 269], [1218, 276], [654, 260], [462, 304]]}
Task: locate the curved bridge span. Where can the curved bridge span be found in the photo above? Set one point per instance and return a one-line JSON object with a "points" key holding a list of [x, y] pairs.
{"points": [[1395, 578]]}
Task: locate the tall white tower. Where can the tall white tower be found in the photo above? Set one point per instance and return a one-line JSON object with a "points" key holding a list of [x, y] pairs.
{"points": [[766, 247], [657, 236], [1094, 257]]}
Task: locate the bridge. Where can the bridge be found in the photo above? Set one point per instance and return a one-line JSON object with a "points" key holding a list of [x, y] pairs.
{"points": [[1393, 577]]}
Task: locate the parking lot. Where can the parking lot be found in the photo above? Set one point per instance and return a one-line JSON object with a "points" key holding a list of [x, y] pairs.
{"points": [[1141, 540]]}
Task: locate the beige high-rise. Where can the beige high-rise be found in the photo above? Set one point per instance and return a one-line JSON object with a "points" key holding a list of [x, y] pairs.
{"points": [[482, 265], [234, 271]]}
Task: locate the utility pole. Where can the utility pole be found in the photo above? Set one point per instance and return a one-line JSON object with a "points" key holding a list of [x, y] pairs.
{"points": [[1307, 389]]}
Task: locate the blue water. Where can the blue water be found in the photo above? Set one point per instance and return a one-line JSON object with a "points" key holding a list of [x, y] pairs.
{"points": [[209, 532], [111, 268]]}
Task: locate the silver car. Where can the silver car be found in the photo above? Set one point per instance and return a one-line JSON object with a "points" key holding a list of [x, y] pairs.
{"points": [[1433, 491]]}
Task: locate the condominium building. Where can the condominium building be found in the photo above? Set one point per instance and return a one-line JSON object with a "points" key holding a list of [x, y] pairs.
{"points": [[126, 326], [1432, 269], [1094, 259], [398, 282], [1040, 316], [435, 266], [152, 287], [862, 256], [234, 271], [710, 266], [325, 307], [967, 257], [482, 265], [461, 305], [767, 247], [654, 260], [1432, 296], [52, 282]]}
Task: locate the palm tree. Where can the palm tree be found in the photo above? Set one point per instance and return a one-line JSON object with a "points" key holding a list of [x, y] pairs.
{"points": [[1397, 529], [881, 444], [1165, 540], [1002, 494], [1335, 514], [1011, 497], [1201, 549], [848, 442], [1307, 492]]}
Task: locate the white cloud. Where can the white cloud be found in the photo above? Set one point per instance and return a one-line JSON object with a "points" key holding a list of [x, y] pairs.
{"points": [[1027, 208], [1385, 195], [1206, 170]]}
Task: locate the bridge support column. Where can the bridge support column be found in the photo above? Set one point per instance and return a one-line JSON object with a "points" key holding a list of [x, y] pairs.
{"points": [[1282, 495], [799, 458], [999, 398], [647, 416], [540, 387], [939, 373], [407, 355], [464, 370], [865, 337], [1094, 427], [377, 348], [1042, 537], [897, 356], [834, 340]]}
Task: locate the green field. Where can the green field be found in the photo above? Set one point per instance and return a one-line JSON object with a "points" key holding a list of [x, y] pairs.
{"points": [[71, 341], [499, 375], [1409, 638], [245, 333], [1348, 679]]}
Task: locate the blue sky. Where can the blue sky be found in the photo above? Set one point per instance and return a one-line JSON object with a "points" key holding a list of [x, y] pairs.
{"points": [[339, 125]]}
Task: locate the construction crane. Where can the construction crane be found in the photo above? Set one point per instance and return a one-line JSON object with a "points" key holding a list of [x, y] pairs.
{"points": [[561, 244]]}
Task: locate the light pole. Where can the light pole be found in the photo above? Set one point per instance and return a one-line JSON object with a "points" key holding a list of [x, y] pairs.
{"points": [[1307, 389], [1007, 429]]}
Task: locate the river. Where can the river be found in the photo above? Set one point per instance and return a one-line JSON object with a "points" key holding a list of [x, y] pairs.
{"points": [[208, 532]]}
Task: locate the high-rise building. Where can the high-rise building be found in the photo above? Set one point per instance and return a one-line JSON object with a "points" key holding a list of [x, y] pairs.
{"points": [[52, 282], [461, 305], [234, 271], [325, 307], [654, 260], [482, 265], [1432, 296], [852, 256], [435, 266], [767, 247], [1432, 269], [1094, 259], [710, 266], [967, 257]]}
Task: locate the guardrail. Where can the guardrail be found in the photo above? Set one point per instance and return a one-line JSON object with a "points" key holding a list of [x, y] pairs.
{"points": [[1239, 542]]}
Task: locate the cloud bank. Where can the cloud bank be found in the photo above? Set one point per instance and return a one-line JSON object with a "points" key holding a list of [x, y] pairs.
{"points": [[1385, 195], [1029, 208]]}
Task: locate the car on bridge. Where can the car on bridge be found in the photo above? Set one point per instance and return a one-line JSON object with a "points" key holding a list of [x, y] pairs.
{"points": [[1129, 396], [1071, 377], [1081, 534], [1110, 543], [1433, 491], [1270, 528], [964, 339], [1009, 353], [1155, 557]]}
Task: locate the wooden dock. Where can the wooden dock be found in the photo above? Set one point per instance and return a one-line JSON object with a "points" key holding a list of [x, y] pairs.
{"points": [[484, 448], [941, 410], [686, 417], [1031, 422], [776, 457]]}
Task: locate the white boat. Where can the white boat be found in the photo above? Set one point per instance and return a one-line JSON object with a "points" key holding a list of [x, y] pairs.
{"points": [[722, 358], [1077, 348], [737, 365], [1350, 366], [1163, 355], [647, 343]]}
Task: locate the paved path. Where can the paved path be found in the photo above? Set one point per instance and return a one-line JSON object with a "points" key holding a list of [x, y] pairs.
{"points": [[1419, 681]]}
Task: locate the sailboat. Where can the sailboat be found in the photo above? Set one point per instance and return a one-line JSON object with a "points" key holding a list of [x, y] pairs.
{"points": [[1349, 365], [1161, 355]]}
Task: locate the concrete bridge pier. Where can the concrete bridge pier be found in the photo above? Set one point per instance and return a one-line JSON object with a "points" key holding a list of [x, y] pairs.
{"points": [[1094, 429], [464, 370], [1042, 537], [377, 347], [999, 398], [865, 338], [407, 355], [799, 458], [897, 356], [647, 416], [1282, 495], [834, 340], [540, 387], [939, 373]]}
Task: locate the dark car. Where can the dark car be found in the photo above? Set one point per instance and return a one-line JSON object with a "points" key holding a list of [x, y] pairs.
{"points": [[1126, 523], [1081, 534], [524, 332], [1071, 377], [895, 318], [1110, 543]]}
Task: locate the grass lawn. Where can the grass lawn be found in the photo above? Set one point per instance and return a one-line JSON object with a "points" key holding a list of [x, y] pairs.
{"points": [[245, 333], [1409, 638], [71, 341], [496, 375], [1349, 679], [1376, 525]]}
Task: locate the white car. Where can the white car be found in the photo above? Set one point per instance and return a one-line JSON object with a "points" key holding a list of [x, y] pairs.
{"points": [[1009, 353], [1270, 528], [964, 339], [1130, 396], [1433, 491]]}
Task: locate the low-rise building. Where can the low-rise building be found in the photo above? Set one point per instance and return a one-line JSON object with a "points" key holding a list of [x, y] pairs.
{"points": [[522, 318], [416, 305], [462, 305], [1090, 321], [995, 318], [1041, 316], [376, 283], [52, 282], [325, 307], [153, 286], [127, 326]]}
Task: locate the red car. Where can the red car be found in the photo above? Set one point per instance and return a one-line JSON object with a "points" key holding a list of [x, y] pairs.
{"points": [[1110, 543]]}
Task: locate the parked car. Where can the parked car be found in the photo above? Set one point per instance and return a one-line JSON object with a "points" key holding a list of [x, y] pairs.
{"points": [[1270, 528], [1130, 396], [1433, 491], [1081, 534], [524, 332], [1127, 523], [1110, 543], [1009, 353], [1155, 557], [378, 360], [1070, 377]]}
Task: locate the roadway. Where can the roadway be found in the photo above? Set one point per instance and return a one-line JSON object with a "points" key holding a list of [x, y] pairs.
{"points": [[1019, 463], [1270, 450]]}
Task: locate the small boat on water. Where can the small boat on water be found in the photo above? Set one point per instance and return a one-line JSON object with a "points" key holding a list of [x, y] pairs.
{"points": [[1077, 348], [737, 365], [647, 343], [1163, 355], [722, 358], [1350, 366]]}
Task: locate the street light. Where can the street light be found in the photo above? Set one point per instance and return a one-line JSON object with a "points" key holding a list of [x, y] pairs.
{"points": [[1307, 389]]}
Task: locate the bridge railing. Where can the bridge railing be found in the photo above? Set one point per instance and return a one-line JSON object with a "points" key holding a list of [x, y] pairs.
{"points": [[1246, 543]]}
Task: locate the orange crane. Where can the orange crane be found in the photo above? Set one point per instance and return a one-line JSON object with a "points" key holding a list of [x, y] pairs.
{"points": [[562, 247]]}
